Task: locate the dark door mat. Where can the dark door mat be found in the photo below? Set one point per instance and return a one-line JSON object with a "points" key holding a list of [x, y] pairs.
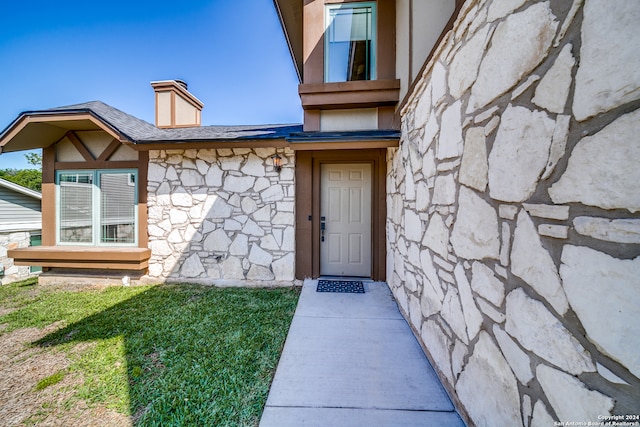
{"points": [[341, 286]]}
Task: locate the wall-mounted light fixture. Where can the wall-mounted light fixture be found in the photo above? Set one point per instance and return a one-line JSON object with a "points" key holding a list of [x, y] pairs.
{"points": [[277, 162]]}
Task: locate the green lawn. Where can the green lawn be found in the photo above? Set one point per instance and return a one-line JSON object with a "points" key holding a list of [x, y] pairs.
{"points": [[163, 355]]}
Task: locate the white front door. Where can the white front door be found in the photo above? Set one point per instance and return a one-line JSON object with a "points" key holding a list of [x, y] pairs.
{"points": [[345, 220]]}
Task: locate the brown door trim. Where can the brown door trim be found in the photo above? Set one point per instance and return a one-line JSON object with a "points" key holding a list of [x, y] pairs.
{"points": [[308, 207]]}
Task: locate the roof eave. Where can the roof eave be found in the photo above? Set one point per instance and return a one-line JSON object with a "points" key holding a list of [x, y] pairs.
{"points": [[20, 189], [344, 140], [212, 143], [391, 135], [53, 123], [287, 11]]}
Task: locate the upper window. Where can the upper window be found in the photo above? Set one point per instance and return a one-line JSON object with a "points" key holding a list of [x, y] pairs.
{"points": [[350, 36], [97, 207]]}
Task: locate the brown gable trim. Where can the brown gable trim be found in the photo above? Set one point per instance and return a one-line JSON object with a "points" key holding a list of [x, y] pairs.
{"points": [[18, 138], [102, 162], [71, 136], [128, 164], [111, 148]]}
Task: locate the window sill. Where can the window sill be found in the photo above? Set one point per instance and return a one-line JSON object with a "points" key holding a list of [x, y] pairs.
{"points": [[88, 257], [356, 94]]}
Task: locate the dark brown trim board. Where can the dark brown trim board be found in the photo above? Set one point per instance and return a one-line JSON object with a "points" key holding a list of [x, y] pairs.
{"points": [[48, 196], [83, 257], [357, 94], [143, 167]]}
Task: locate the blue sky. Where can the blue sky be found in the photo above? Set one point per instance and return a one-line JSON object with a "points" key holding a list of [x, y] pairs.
{"points": [[232, 54]]}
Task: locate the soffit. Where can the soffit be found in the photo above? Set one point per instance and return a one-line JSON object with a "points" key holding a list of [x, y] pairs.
{"points": [[366, 139], [30, 132], [290, 14]]}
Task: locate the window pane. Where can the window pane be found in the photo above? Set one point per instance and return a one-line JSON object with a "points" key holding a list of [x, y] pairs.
{"points": [[76, 207], [117, 207], [349, 44]]}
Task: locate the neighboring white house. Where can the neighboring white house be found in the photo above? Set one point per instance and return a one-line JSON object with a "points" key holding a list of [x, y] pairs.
{"points": [[20, 226]]}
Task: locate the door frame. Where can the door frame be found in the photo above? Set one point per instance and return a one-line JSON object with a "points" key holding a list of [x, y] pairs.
{"points": [[308, 207], [366, 227]]}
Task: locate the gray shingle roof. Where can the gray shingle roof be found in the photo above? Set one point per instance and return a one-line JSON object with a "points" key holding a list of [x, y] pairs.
{"points": [[142, 132], [204, 133], [126, 124]]}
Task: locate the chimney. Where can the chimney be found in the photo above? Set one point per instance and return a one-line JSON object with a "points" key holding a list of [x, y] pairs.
{"points": [[175, 106]]}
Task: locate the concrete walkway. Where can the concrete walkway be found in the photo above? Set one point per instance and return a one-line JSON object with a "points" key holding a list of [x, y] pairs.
{"points": [[352, 360]]}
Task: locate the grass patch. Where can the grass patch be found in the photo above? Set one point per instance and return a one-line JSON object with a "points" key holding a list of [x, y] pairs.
{"points": [[50, 380], [165, 355]]}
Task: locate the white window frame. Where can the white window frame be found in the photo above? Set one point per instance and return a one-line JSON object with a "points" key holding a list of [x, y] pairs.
{"points": [[374, 31], [96, 200]]}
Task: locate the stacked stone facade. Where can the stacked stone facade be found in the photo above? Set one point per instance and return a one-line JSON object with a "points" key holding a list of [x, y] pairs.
{"points": [[8, 241], [513, 200], [221, 216]]}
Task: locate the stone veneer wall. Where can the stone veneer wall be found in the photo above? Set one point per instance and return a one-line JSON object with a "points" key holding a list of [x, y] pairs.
{"points": [[513, 200], [8, 241], [220, 216]]}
